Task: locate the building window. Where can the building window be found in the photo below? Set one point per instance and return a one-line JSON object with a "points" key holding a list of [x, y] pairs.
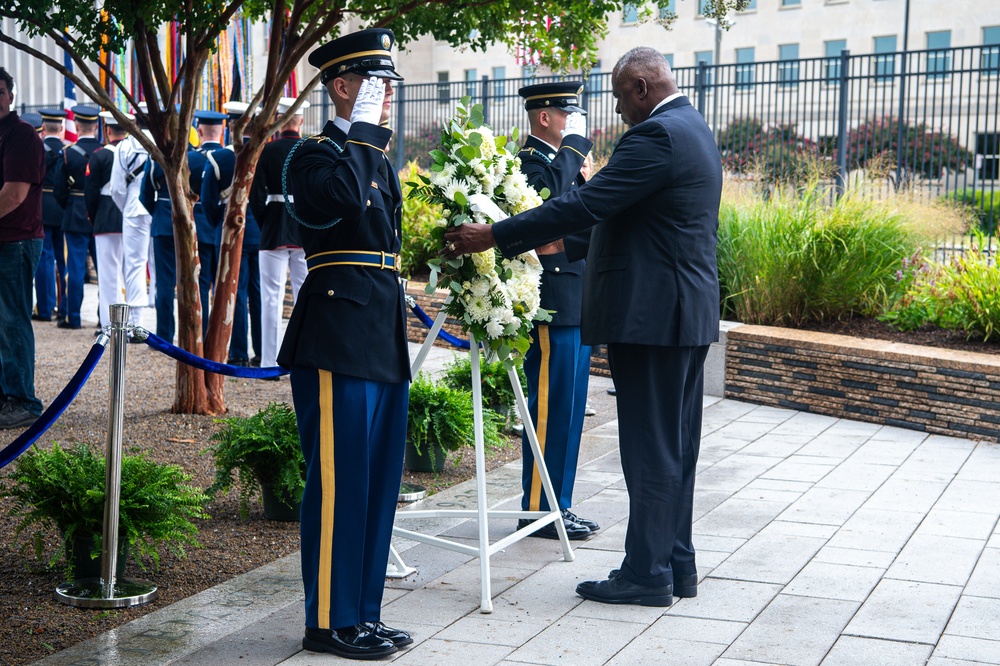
{"points": [[630, 14], [885, 58], [750, 5], [595, 80], [744, 68], [444, 90], [831, 50], [499, 74], [669, 57], [791, 3], [470, 82], [702, 6], [938, 62], [529, 71], [788, 68], [707, 58], [990, 58], [670, 10]]}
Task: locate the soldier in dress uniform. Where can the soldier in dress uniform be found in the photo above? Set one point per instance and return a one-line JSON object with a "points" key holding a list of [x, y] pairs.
{"points": [[76, 226], [216, 186], [107, 219], [557, 365], [50, 276], [210, 130], [155, 197], [33, 119], [346, 349], [126, 182], [280, 247]]}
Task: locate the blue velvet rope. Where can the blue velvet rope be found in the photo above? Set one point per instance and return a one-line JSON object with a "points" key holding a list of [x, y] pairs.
{"points": [[443, 334], [55, 409], [178, 354]]}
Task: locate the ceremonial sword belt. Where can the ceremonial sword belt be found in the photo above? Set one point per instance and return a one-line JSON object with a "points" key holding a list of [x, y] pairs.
{"points": [[381, 260]]}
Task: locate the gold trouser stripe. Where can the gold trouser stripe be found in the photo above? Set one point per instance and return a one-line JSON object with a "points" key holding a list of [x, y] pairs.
{"points": [[329, 485], [542, 424]]}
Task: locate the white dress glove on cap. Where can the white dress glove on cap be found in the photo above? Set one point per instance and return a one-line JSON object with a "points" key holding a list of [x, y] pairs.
{"points": [[368, 105], [576, 123]]}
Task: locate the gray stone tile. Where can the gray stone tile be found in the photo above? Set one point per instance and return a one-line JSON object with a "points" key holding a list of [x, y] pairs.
{"points": [[733, 600], [830, 444], [432, 606], [452, 653], [594, 642], [900, 435], [855, 557], [804, 423], [983, 464], [769, 557], [817, 625], [800, 468], [263, 643], [882, 451], [707, 500], [766, 414], [906, 495], [718, 543], [762, 494], [780, 484], [834, 581], [709, 559], [775, 446], [975, 617], [825, 506], [849, 427], [853, 651], [653, 651], [745, 429], [742, 662], [937, 456], [905, 611], [493, 631], [738, 518], [877, 529], [854, 475], [985, 580], [944, 661], [697, 629], [936, 559], [734, 472], [812, 530], [973, 649], [964, 524], [975, 496]]}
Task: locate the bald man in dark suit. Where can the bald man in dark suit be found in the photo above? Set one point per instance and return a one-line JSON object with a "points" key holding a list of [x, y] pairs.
{"points": [[651, 293]]}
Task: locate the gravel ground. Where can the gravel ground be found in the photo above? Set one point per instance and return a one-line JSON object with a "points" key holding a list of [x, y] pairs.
{"points": [[33, 624]]}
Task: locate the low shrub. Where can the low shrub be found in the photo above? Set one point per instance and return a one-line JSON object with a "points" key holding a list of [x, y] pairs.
{"points": [[984, 206], [419, 218], [497, 391]]}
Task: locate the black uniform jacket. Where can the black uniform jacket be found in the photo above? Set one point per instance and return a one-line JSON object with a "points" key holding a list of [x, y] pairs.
{"points": [[559, 171], [350, 320], [277, 228], [69, 185], [651, 274], [101, 208], [52, 210]]}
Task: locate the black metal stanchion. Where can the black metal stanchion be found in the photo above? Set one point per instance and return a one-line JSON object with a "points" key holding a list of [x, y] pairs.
{"points": [[106, 591]]}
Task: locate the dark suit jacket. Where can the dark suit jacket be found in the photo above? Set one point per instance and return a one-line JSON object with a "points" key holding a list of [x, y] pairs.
{"points": [[651, 274], [277, 228]]}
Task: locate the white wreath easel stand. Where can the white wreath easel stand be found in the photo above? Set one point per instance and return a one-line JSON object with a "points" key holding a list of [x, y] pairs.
{"points": [[485, 549]]}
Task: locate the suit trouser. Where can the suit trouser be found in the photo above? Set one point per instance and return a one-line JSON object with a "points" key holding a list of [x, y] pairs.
{"points": [[45, 275], [659, 398], [557, 367], [77, 245], [274, 266], [137, 254], [247, 302], [166, 281], [352, 433], [110, 283]]}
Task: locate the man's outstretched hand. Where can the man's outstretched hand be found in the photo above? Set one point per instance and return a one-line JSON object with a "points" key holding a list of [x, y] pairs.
{"points": [[466, 239]]}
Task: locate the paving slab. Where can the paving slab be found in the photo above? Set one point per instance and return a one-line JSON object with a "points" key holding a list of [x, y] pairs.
{"points": [[905, 611], [852, 651]]}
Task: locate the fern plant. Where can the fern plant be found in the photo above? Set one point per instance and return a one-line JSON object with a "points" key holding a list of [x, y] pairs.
{"points": [[260, 449], [497, 391], [64, 489], [442, 416]]}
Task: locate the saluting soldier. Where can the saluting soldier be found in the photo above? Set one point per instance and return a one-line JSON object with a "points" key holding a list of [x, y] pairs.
{"points": [[50, 276], [216, 189], [76, 226], [107, 219], [155, 197], [280, 246], [346, 350], [210, 129], [557, 365]]}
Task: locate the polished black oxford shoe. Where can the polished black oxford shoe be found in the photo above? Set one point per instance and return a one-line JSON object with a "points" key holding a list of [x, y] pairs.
{"points": [[65, 324], [397, 637], [574, 531], [573, 518], [685, 586], [618, 590], [356, 642]]}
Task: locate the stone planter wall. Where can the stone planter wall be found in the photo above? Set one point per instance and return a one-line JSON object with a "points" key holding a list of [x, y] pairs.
{"points": [[922, 388]]}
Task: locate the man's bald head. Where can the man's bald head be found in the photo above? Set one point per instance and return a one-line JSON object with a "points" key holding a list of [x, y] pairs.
{"points": [[640, 80]]}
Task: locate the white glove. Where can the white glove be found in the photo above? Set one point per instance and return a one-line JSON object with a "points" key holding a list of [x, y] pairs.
{"points": [[576, 123], [368, 105]]}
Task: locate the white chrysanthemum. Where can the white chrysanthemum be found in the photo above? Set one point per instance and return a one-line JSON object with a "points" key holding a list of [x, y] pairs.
{"points": [[489, 147], [453, 187], [480, 287], [528, 201], [494, 329], [478, 308], [473, 185], [441, 178], [485, 262]]}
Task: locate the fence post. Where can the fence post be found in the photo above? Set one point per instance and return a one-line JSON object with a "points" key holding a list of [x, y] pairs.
{"points": [[842, 80], [486, 97], [400, 133], [701, 85]]}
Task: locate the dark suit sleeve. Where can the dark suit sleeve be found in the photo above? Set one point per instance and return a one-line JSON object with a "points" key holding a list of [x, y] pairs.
{"points": [[641, 164], [257, 201], [61, 187], [210, 195], [92, 183], [340, 187], [560, 175]]}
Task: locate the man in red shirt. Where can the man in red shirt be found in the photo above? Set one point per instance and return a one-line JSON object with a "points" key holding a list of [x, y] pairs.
{"points": [[22, 169]]}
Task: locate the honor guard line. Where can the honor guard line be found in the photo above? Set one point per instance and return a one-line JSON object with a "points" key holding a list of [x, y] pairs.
{"points": [[485, 549]]}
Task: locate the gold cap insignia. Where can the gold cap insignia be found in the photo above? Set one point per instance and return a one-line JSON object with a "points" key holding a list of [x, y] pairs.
{"points": [[386, 42]]}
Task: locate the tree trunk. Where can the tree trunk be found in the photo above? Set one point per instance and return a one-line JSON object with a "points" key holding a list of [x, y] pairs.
{"points": [[191, 396], [220, 322]]}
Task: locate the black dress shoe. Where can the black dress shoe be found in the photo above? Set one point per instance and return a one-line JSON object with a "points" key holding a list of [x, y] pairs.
{"points": [[38, 317], [356, 642], [255, 362], [685, 586], [65, 324], [612, 391], [617, 590], [572, 517], [238, 362], [574, 531], [397, 637]]}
